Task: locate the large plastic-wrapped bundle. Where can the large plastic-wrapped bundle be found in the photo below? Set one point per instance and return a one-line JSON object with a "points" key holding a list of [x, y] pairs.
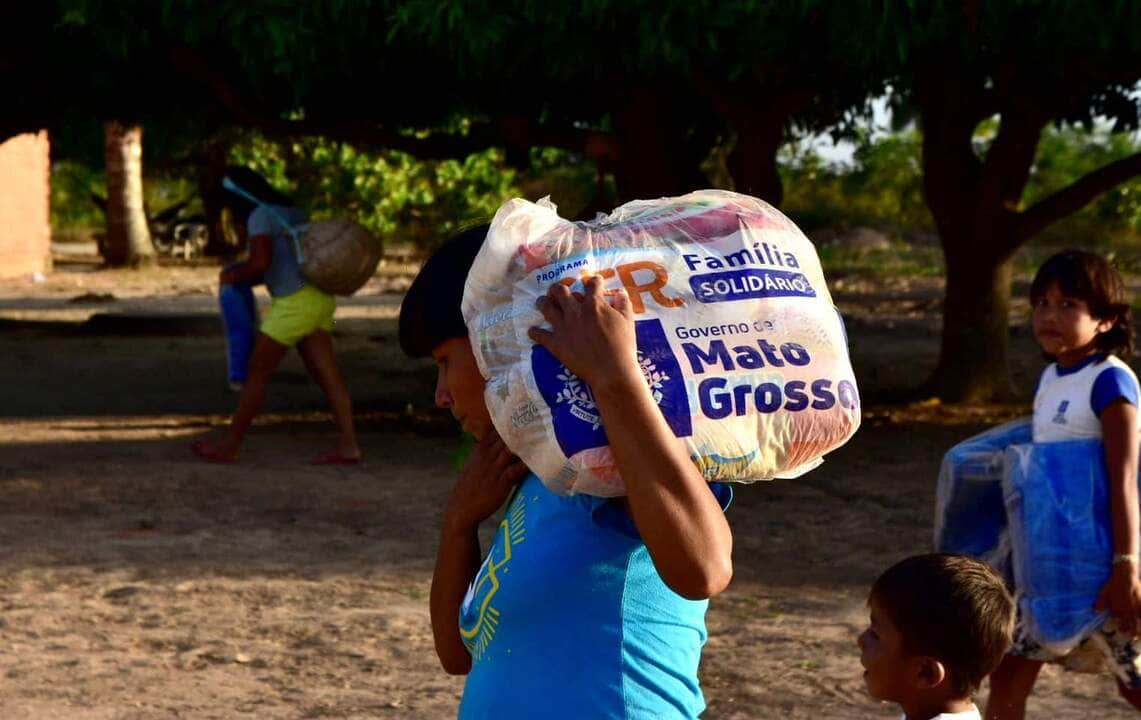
{"points": [[970, 516], [1057, 503], [736, 332]]}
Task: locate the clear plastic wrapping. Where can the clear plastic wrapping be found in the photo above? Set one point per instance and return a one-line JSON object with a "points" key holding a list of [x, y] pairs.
{"points": [[1057, 502], [737, 337], [970, 515]]}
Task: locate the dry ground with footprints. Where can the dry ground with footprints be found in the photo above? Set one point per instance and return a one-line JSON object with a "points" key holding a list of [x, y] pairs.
{"points": [[139, 583]]}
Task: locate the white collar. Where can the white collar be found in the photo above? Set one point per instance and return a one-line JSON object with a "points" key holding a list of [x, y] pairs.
{"points": [[972, 714]]}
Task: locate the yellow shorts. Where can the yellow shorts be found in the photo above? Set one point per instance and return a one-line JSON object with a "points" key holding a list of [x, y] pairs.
{"points": [[295, 316]]}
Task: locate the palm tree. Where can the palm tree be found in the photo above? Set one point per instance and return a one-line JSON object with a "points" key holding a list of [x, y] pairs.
{"points": [[128, 237]]}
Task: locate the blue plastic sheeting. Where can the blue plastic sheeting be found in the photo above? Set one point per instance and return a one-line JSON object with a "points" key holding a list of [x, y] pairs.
{"points": [[240, 318], [970, 514], [1057, 503]]}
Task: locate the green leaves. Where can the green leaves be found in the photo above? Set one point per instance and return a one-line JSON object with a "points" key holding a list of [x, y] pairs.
{"points": [[1065, 154], [389, 192]]}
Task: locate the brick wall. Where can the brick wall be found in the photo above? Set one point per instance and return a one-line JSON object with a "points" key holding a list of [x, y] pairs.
{"points": [[25, 225]]}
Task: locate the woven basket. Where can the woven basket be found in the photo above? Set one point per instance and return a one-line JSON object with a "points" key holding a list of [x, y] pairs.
{"points": [[340, 255]]}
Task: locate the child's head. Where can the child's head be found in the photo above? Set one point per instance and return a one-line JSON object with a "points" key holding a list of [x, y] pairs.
{"points": [[431, 323], [1100, 319], [244, 186], [940, 623]]}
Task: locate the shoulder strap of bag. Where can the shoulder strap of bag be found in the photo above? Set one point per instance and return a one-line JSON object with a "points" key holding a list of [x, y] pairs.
{"points": [[233, 187]]}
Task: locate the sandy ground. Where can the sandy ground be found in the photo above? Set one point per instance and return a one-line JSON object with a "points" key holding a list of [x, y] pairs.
{"points": [[136, 582]]}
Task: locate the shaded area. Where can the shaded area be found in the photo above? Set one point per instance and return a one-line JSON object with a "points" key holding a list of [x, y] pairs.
{"points": [[146, 497], [184, 520], [131, 572], [137, 581], [133, 363], [115, 364]]}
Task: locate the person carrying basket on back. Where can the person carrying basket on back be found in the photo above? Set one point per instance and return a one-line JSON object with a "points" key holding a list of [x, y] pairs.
{"points": [[300, 315]]}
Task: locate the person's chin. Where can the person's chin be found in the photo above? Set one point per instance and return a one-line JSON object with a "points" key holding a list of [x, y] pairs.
{"points": [[466, 427], [868, 687]]}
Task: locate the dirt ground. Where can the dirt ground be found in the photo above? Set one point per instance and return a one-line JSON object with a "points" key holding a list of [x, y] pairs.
{"points": [[137, 582]]}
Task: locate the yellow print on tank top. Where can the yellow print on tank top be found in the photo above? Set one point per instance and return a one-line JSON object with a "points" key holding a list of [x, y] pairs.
{"points": [[477, 635]]}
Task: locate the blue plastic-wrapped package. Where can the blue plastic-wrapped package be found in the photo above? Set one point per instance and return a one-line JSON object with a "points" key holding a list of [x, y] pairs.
{"points": [[240, 319], [970, 517], [1057, 504]]}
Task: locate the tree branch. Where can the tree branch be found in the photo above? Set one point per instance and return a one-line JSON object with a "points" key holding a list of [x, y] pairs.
{"points": [[1006, 167], [434, 146], [505, 131], [1069, 200], [989, 103], [501, 131]]}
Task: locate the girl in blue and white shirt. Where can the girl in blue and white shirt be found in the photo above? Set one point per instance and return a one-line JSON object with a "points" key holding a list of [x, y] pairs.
{"points": [[1082, 321]]}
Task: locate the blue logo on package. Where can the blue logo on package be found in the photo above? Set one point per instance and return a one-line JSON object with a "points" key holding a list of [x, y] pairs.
{"points": [[749, 284], [574, 413]]}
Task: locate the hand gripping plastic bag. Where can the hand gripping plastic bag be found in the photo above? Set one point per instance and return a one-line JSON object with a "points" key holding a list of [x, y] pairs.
{"points": [[736, 332], [1057, 503], [970, 515]]}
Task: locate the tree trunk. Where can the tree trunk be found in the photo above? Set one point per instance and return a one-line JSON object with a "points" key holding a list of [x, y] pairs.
{"points": [[974, 204], [753, 160], [655, 158], [976, 328], [128, 238], [222, 240]]}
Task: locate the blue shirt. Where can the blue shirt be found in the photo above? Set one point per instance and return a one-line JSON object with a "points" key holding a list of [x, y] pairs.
{"points": [[283, 277], [568, 618]]}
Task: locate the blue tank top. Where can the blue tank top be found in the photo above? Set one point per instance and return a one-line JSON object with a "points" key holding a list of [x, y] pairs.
{"points": [[568, 618], [284, 274]]}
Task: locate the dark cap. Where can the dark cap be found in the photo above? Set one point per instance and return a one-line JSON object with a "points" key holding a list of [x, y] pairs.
{"points": [[430, 313]]}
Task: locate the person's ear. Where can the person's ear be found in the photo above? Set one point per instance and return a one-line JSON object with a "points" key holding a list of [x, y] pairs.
{"points": [[928, 672], [1104, 326]]}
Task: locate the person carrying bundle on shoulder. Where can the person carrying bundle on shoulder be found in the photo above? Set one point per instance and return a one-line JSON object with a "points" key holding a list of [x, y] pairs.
{"points": [[583, 606]]}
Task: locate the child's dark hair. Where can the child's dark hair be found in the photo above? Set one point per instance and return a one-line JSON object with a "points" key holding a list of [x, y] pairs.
{"points": [[250, 183], [950, 607], [430, 313], [1090, 278]]}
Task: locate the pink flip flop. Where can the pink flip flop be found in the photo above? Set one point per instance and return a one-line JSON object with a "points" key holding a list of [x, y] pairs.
{"points": [[203, 449], [332, 457]]}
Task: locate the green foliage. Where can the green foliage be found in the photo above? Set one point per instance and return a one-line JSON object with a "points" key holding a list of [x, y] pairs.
{"points": [[76, 185], [72, 185], [349, 67], [396, 195], [901, 259], [390, 192], [1019, 48], [422, 202], [1066, 154], [882, 187], [405, 199], [887, 181]]}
